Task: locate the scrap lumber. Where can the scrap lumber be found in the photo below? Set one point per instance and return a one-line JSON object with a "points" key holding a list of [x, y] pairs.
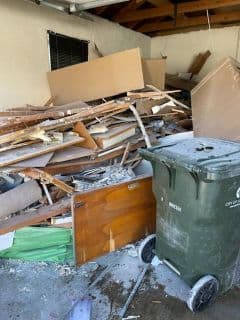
{"points": [[71, 153], [117, 215], [115, 135], [49, 102], [17, 222], [47, 178], [19, 198], [8, 157], [88, 113], [36, 162], [88, 142], [199, 62], [144, 133], [149, 94], [175, 82], [79, 165], [169, 97]]}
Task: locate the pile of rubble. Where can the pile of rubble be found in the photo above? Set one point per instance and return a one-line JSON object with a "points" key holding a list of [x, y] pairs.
{"points": [[77, 147]]}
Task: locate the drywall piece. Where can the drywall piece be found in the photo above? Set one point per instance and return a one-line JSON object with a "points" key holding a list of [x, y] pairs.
{"points": [[19, 198], [154, 72], [115, 215], [215, 102], [102, 77], [6, 240]]}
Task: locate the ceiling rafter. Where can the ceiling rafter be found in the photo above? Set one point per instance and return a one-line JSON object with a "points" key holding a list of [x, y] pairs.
{"points": [[168, 9], [131, 6], [190, 22]]}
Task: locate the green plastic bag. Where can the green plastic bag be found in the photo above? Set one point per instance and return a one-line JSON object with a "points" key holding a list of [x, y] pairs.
{"points": [[41, 244]]}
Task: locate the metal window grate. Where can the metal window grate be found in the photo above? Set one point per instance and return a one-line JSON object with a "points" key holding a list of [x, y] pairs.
{"points": [[66, 51]]}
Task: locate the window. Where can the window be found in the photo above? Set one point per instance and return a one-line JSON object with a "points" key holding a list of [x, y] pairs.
{"points": [[66, 51]]}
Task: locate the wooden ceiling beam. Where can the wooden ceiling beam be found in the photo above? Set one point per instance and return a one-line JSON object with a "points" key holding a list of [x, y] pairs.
{"points": [[168, 9], [190, 22], [131, 6], [101, 10]]}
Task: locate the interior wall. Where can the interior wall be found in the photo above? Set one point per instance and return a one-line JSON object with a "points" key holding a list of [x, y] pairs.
{"points": [[180, 49], [24, 50]]}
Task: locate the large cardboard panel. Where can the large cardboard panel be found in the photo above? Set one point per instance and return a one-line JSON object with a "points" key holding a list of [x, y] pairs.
{"points": [[111, 217], [102, 77], [216, 103], [154, 72]]}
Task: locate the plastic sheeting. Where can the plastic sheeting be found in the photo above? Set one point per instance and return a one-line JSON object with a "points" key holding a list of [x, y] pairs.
{"points": [[41, 244]]}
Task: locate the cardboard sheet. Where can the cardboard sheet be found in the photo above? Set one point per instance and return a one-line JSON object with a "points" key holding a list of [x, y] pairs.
{"points": [[215, 103], [99, 78], [154, 72]]}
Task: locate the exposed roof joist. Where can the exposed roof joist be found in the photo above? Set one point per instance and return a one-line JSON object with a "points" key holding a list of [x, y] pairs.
{"points": [[154, 17], [168, 9], [190, 22]]}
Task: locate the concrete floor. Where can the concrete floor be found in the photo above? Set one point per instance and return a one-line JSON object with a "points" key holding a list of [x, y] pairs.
{"points": [[40, 291]]}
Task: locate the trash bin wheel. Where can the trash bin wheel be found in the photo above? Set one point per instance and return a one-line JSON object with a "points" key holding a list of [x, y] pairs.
{"points": [[146, 251], [203, 293]]}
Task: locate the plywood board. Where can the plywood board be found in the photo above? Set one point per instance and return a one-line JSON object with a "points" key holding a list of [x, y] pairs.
{"points": [[38, 162], [71, 153], [154, 72], [9, 157], [111, 217], [215, 103], [99, 78]]}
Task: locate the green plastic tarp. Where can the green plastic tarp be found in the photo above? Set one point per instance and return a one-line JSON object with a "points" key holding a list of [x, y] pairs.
{"points": [[41, 244]]}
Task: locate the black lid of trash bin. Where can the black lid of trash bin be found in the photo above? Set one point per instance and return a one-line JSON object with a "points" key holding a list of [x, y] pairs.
{"points": [[211, 158]]}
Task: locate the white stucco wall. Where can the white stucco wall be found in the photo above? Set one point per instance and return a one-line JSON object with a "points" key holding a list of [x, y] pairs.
{"points": [[24, 47], [180, 49]]}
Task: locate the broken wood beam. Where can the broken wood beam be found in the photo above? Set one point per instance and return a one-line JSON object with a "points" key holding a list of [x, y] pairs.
{"points": [[45, 177], [35, 217]]}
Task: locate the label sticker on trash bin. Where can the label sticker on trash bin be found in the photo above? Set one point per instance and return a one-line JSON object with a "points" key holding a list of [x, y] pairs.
{"points": [[175, 207], [234, 203]]}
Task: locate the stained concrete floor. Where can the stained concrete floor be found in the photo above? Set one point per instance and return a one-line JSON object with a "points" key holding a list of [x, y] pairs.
{"points": [[41, 291]]}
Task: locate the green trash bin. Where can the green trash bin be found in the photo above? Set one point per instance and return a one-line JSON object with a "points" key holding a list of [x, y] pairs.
{"points": [[196, 183]]}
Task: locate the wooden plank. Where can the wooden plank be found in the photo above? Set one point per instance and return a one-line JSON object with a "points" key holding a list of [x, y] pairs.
{"points": [[88, 142], [131, 6], [190, 22], [47, 178], [78, 165], [122, 72], [168, 9], [34, 150], [84, 114], [108, 218], [35, 217], [199, 62]]}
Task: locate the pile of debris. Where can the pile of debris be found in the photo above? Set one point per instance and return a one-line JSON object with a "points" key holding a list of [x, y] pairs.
{"points": [[77, 147]]}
